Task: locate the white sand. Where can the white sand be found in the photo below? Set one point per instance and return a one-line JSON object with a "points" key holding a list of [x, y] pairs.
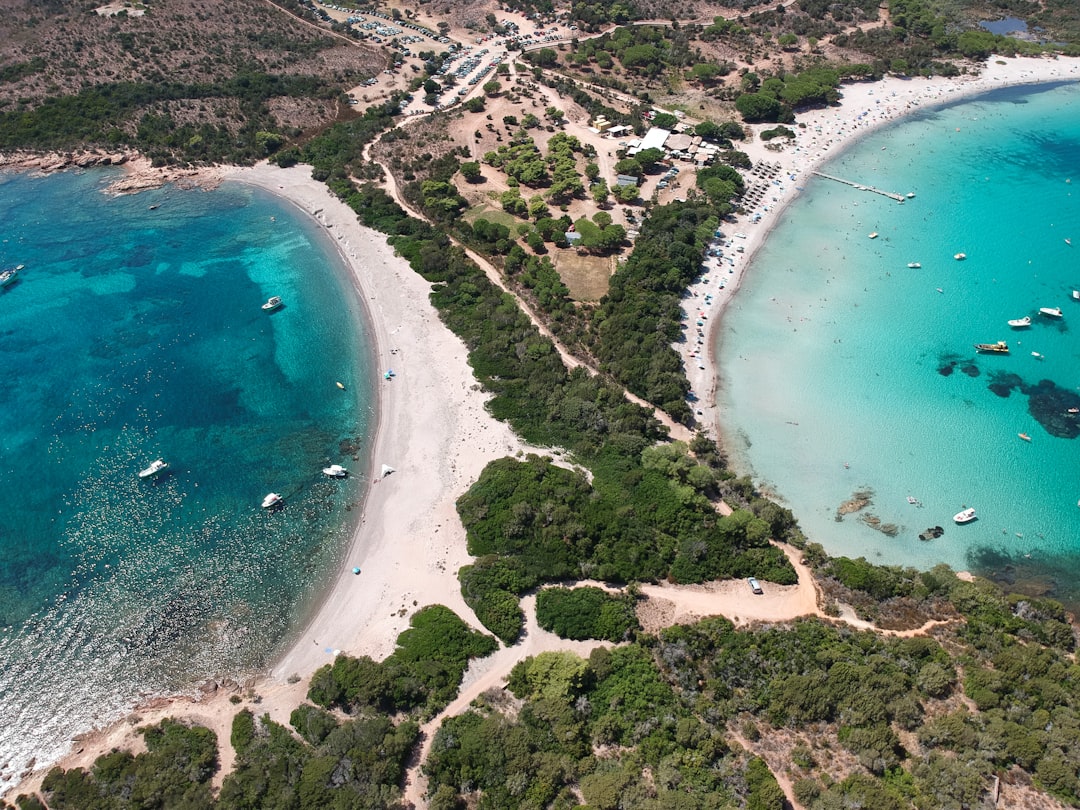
{"points": [[863, 108], [433, 428]]}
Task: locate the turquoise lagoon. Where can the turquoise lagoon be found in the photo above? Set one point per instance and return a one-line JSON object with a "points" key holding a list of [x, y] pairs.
{"points": [[135, 333], [842, 369]]}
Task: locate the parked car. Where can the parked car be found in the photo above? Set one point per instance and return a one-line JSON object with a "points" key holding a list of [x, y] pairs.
{"points": [[755, 586]]}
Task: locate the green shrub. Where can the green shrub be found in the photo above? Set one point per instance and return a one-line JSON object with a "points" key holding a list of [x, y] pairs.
{"points": [[583, 613]]}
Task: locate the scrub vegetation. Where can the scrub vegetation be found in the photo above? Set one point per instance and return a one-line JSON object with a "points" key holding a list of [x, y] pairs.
{"points": [[703, 715]]}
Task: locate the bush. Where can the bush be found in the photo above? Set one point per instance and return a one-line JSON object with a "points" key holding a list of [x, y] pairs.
{"points": [[583, 613]]}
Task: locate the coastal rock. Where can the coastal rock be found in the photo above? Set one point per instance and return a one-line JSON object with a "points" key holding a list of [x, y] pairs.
{"points": [[858, 501], [208, 688]]}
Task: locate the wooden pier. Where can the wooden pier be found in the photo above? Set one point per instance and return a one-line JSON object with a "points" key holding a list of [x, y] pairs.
{"points": [[891, 195]]}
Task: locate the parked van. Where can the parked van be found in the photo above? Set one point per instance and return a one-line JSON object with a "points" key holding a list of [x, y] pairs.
{"points": [[755, 586]]}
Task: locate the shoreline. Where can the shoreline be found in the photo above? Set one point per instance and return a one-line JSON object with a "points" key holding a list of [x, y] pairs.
{"points": [[432, 424], [821, 135]]}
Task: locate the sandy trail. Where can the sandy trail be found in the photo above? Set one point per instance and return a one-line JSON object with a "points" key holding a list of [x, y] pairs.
{"points": [[434, 429]]}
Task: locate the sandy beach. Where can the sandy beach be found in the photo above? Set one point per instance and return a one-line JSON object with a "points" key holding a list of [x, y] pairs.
{"points": [[820, 135], [434, 431], [433, 428]]}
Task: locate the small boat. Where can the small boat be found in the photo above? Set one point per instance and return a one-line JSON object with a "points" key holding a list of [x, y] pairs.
{"points": [[272, 303], [1068, 241], [911, 195], [1037, 356], [1024, 436], [1073, 410], [1001, 347], [9, 274], [965, 516], [1051, 312], [959, 256], [913, 500], [874, 235], [1020, 323], [939, 289], [340, 385], [271, 500], [914, 265], [156, 466], [154, 207], [335, 471], [1076, 295]]}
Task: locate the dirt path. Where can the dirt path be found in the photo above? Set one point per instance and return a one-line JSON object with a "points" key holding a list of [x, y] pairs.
{"points": [[490, 673], [778, 772], [676, 430]]}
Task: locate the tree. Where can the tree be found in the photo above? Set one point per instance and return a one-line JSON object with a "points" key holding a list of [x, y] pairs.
{"points": [[647, 158], [600, 192], [470, 170], [537, 207], [629, 166], [705, 72], [665, 121], [592, 171], [758, 107], [625, 194], [475, 104], [269, 142], [492, 87]]}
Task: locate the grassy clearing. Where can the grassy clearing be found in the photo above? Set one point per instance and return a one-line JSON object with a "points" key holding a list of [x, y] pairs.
{"points": [[585, 276], [491, 214]]}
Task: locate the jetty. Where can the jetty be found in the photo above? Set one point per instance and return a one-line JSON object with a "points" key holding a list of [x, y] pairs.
{"points": [[891, 195]]}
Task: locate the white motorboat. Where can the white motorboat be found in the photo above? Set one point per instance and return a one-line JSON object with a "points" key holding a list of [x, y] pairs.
{"points": [[1076, 295], [157, 466], [271, 500], [272, 303], [873, 235], [1020, 323], [335, 471], [9, 274], [914, 265], [1051, 312], [959, 256], [965, 516]]}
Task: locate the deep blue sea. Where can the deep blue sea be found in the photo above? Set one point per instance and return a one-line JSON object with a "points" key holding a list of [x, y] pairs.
{"points": [[136, 333], [844, 370]]}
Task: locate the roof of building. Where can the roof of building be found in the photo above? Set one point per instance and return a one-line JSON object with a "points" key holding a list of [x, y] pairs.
{"points": [[654, 138], [678, 143], [572, 236], [625, 180]]}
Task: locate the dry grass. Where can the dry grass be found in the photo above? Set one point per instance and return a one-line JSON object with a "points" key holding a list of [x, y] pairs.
{"points": [[492, 214], [585, 276], [187, 41]]}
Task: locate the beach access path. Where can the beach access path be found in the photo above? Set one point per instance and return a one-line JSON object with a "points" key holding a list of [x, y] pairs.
{"points": [[434, 429]]}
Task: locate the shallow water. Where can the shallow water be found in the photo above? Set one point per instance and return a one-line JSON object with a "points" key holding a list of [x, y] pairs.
{"points": [[134, 334], [843, 369]]}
